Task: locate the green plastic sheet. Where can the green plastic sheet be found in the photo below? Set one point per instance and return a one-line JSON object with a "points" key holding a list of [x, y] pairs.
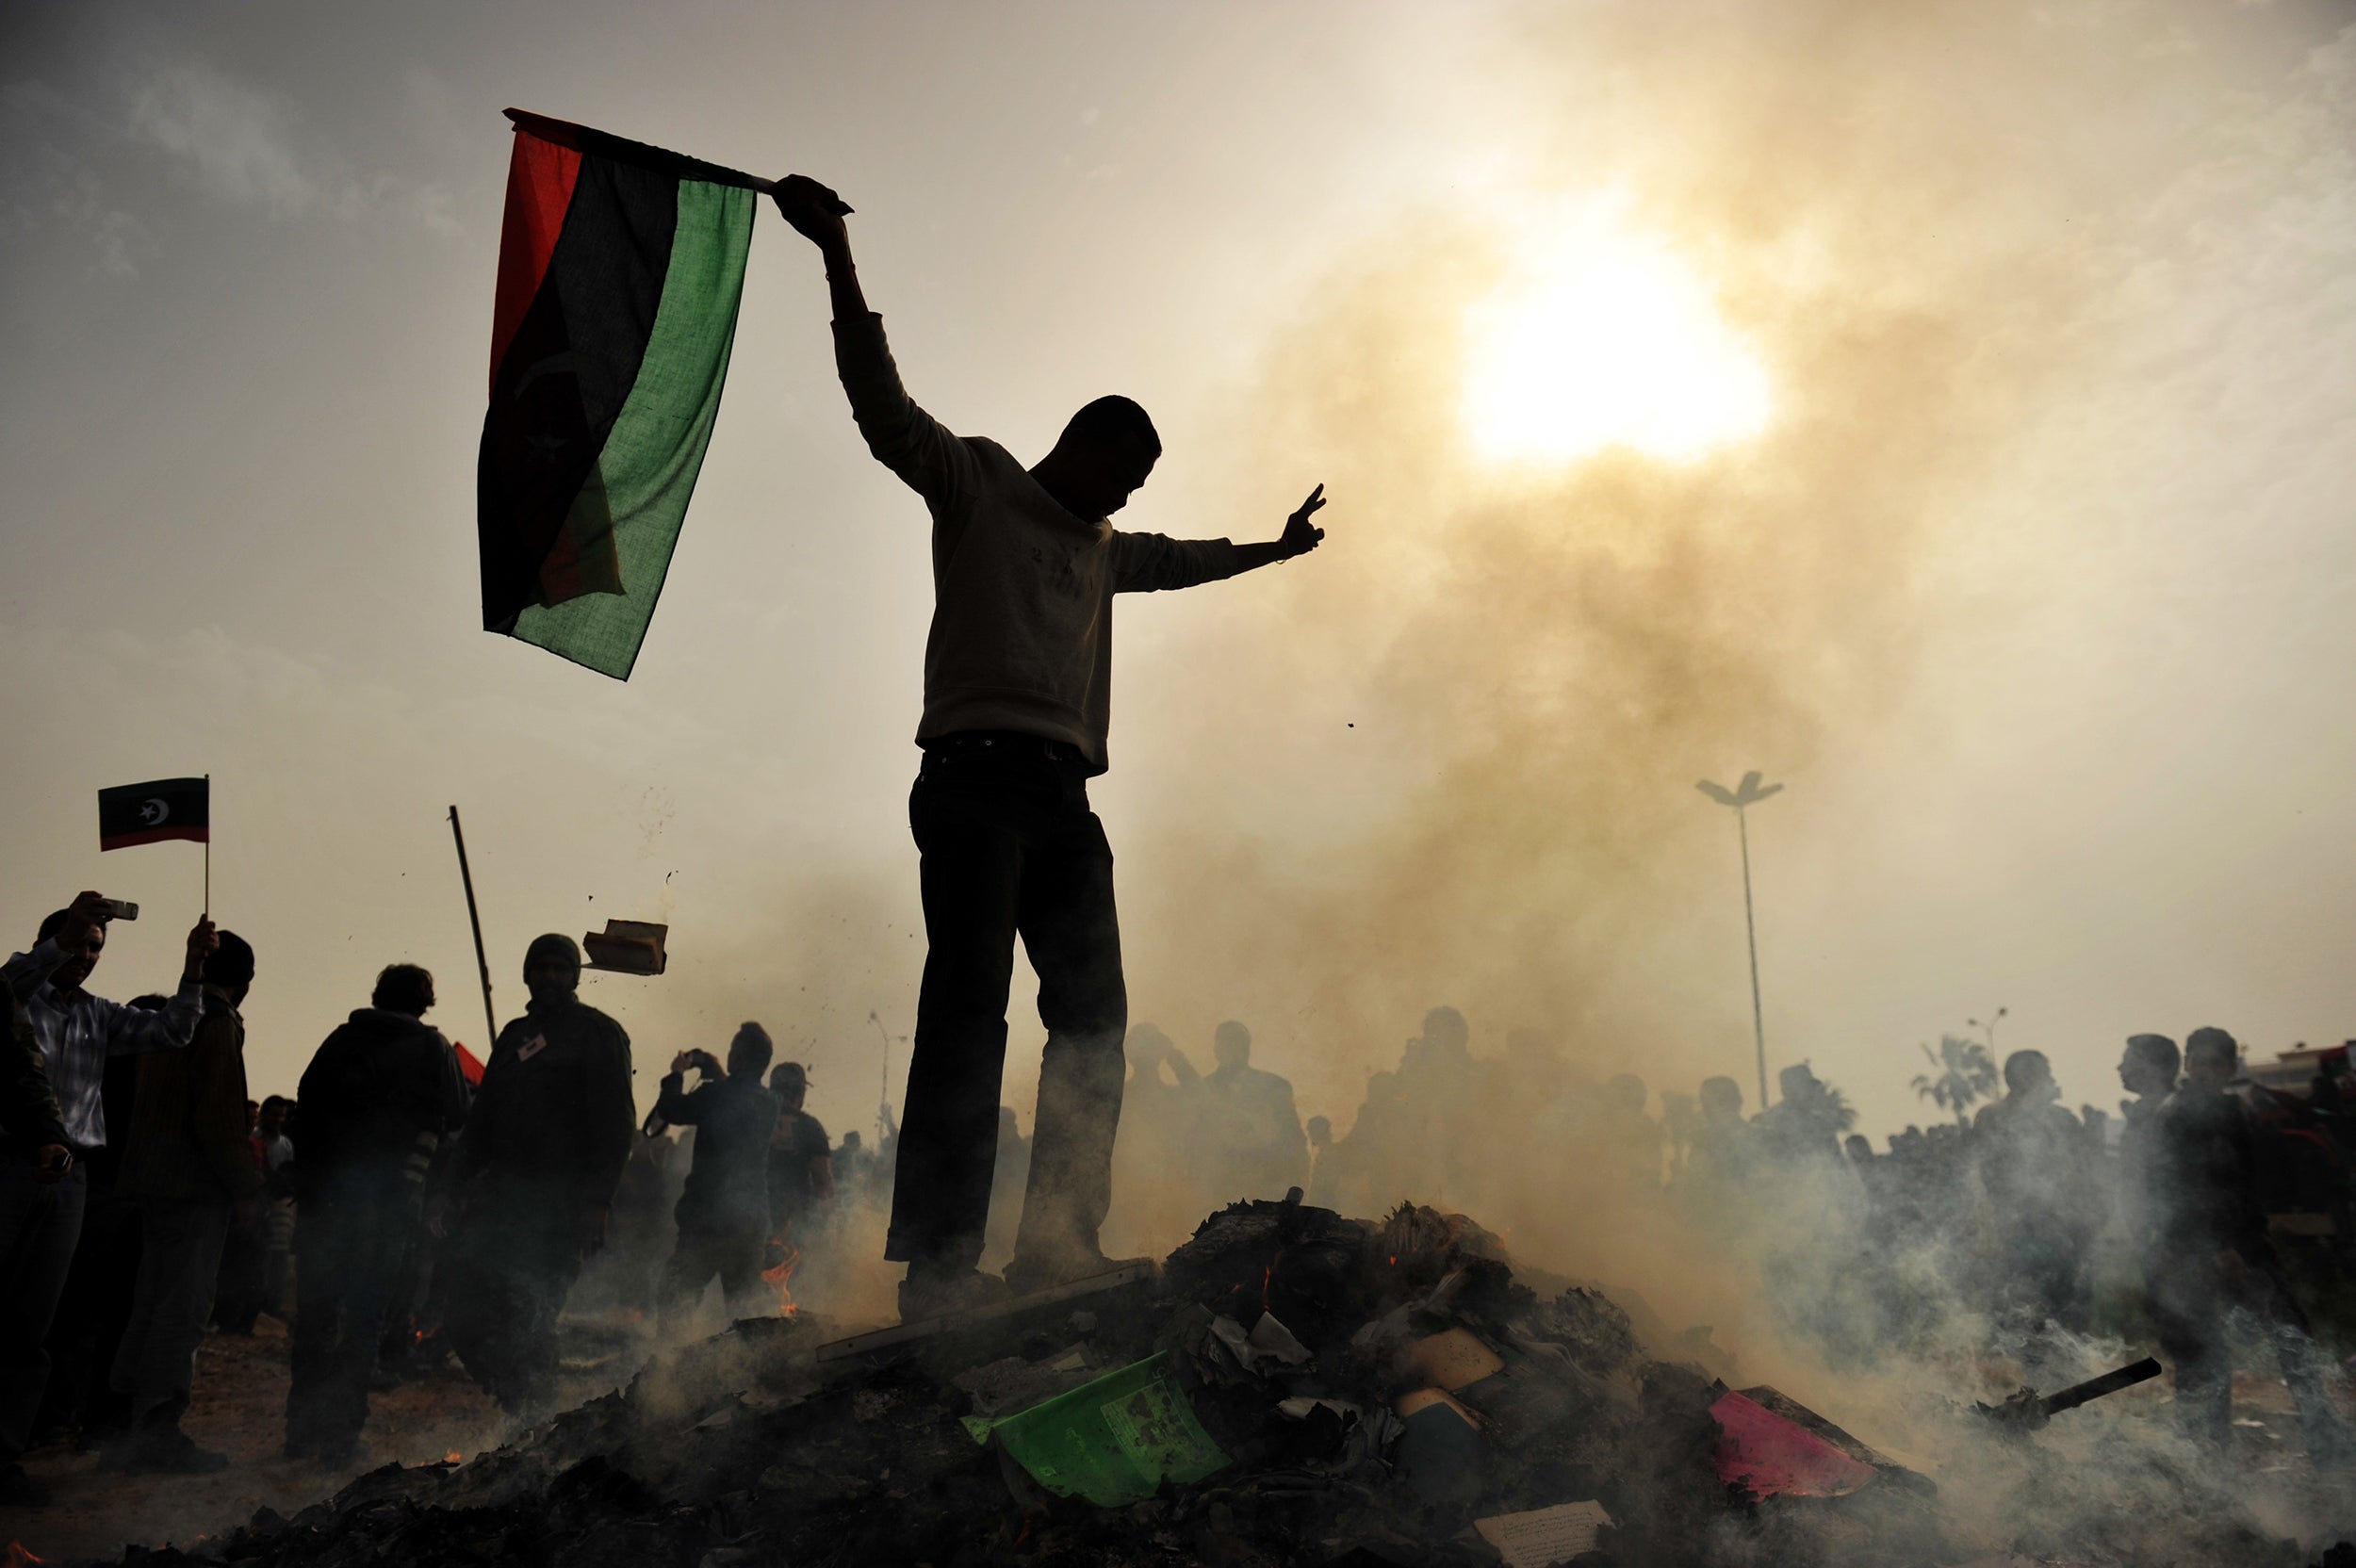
{"points": [[1113, 1441]]}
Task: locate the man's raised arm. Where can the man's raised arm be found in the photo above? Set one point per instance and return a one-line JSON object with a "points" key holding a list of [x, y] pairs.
{"points": [[816, 214], [926, 455]]}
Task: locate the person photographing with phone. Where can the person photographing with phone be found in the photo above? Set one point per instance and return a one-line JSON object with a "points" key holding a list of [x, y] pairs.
{"points": [[724, 1213], [42, 1186]]}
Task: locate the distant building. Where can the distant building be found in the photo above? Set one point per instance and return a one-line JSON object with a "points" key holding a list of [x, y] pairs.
{"points": [[2292, 1072]]}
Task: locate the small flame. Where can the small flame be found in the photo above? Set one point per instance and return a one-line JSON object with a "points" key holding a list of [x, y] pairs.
{"points": [[19, 1557], [1267, 1280], [776, 1278]]}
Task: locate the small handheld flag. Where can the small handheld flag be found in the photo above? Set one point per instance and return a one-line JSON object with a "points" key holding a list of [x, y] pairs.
{"points": [[620, 269], [149, 813]]}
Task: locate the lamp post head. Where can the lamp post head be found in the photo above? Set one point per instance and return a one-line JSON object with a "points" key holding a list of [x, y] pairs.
{"points": [[1749, 793]]}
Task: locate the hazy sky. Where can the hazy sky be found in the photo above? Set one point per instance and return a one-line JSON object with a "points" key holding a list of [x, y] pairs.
{"points": [[2032, 579]]}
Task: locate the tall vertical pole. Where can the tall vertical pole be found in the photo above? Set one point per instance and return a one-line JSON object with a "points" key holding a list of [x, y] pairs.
{"points": [[1750, 930], [482, 965]]}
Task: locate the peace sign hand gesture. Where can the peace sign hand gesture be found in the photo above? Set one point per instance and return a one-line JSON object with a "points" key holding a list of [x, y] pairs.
{"points": [[1300, 537]]}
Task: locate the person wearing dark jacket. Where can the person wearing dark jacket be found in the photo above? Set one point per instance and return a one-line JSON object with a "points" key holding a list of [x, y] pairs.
{"points": [[191, 1164], [801, 1156], [2211, 1254], [380, 1091], [724, 1213], [537, 1164]]}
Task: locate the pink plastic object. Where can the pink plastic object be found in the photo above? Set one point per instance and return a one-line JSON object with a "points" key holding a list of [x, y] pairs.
{"points": [[1774, 1457]]}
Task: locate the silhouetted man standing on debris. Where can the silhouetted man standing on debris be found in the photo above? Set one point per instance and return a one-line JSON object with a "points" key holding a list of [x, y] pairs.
{"points": [[381, 1095], [541, 1152], [1017, 703], [724, 1213], [2213, 1254]]}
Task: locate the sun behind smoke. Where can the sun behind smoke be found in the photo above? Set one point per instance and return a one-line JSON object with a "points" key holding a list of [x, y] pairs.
{"points": [[1606, 339]]}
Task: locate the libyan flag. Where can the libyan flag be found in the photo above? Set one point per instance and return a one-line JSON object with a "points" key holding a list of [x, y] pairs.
{"points": [[149, 813], [620, 268]]}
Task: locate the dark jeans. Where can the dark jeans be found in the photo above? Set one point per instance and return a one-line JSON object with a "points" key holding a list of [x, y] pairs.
{"points": [[179, 1264], [1009, 849], [92, 1315], [40, 1223], [237, 1296], [2190, 1300], [351, 1234], [698, 1256], [501, 1286]]}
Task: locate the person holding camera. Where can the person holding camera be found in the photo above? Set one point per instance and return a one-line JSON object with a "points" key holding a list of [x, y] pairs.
{"points": [[42, 1184], [724, 1213]]}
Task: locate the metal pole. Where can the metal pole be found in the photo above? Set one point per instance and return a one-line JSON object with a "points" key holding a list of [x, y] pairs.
{"points": [[482, 965], [1750, 930]]}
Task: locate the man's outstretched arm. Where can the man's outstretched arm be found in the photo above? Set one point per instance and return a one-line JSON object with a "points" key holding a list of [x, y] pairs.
{"points": [[1148, 562], [1298, 538]]}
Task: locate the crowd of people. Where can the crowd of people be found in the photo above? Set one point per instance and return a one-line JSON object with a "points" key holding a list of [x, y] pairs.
{"points": [[1985, 1231], [391, 1203]]}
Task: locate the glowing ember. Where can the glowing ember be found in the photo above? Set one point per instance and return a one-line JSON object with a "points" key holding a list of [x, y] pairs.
{"points": [[1267, 1280], [19, 1557], [776, 1278], [453, 1457]]}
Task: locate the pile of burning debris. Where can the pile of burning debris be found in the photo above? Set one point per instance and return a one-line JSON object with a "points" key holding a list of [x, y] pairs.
{"points": [[1290, 1387]]}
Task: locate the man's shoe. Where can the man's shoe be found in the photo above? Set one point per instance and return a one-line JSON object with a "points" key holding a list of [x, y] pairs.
{"points": [[170, 1451], [19, 1490], [106, 1416], [937, 1294], [1028, 1276]]}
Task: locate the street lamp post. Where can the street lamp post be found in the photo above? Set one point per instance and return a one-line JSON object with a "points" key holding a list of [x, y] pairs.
{"points": [[1742, 798]]}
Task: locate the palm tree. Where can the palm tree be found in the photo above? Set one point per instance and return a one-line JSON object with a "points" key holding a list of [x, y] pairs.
{"points": [[1966, 1075]]}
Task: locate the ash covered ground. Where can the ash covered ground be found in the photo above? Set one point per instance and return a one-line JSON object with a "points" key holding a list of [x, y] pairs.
{"points": [[1287, 1340]]}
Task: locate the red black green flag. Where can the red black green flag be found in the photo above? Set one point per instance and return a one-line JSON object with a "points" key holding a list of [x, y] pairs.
{"points": [[149, 813], [620, 268]]}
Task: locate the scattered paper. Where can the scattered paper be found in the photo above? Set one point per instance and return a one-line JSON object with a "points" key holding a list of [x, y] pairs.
{"points": [[1273, 1340], [1269, 1341], [1543, 1536], [1299, 1407]]}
